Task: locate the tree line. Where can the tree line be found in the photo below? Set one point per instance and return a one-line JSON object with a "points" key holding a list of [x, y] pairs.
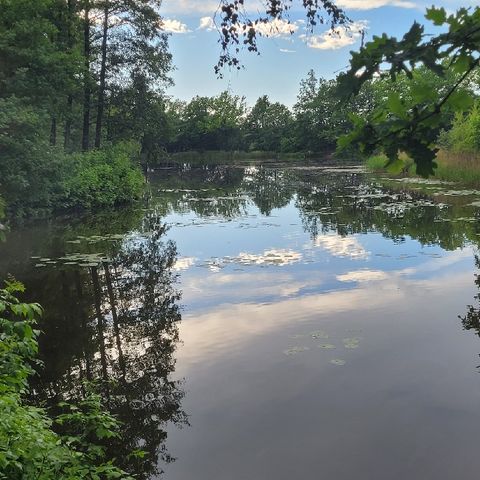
{"points": [[76, 76], [83, 102]]}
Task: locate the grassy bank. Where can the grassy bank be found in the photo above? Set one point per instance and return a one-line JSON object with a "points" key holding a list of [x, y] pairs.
{"points": [[452, 167]]}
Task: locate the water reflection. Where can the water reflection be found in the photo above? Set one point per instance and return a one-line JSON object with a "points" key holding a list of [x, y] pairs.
{"points": [[117, 324], [316, 302], [471, 320]]}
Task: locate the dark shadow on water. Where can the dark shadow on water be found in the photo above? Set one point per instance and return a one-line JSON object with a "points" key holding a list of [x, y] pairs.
{"points": [[116, 324]]}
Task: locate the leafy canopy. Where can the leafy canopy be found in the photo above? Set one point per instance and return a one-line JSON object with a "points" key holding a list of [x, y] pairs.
{"points": [[400, 126]]}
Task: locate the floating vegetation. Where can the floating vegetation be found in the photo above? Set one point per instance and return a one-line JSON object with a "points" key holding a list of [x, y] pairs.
{"points": [[295, 350], [109, 237], [457, 193], [280, 257], [421, 181], [351, 342], [337, 361], [327, 346], [319, 334], [74, 259]]}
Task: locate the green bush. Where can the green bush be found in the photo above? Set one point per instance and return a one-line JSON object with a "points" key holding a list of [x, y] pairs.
{"points": [[30, 448], [104, 178], [464, 136], [31, 171]]}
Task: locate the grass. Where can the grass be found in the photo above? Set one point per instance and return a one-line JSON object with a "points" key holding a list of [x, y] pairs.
{"points": [[452, 166]]}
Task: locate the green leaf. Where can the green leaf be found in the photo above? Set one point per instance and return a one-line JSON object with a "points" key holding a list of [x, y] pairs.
{"points": [[460, 100], [395, 105], [437, 15]]}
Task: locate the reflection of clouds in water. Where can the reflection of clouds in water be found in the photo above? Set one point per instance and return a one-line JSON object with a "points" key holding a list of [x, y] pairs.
{"points": [[184, 263], [362, 276], [279, 257], [242, 286], [228, 327], [341, 246], [269, 257]]}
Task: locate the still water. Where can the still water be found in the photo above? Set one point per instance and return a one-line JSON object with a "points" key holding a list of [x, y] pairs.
{"points": [[270, 323]]}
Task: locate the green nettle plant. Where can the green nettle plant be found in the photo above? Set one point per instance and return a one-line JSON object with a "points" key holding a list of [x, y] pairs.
{"points": [[32, 444]]}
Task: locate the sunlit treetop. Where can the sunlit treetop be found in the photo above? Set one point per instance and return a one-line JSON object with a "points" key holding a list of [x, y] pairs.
{"points": [[238, 29]]}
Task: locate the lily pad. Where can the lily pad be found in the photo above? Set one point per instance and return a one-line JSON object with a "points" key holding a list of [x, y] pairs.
{"points": [[351, 342], [319, 334], [295, 350], [337, 361], [326, 346]]}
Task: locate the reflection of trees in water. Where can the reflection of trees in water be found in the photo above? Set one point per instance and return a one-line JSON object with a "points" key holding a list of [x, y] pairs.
{"points": [[269, 188], [118, 324], [471, 320], [216, 190], [328, 201], [350, 203], [208, 191]]}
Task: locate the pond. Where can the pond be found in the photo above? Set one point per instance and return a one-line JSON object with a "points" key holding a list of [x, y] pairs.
{"points": [[269, 322]]}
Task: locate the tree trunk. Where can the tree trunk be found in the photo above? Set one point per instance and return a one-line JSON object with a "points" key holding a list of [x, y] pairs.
{"points": [[86, 79], [101, 327], [68, 118], [101, 90], [68, 123], [53, 131]]}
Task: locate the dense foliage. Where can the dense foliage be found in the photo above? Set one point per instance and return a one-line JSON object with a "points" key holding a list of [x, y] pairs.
{"points": [[70, 445], [76, 75], [403, 126]]}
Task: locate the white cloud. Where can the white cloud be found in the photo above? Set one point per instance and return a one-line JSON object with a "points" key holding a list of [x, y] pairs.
{"points": [[174, 26], [371, 4], [274, 29], [207, 23], [207, 7], [341, 37], [277, 28], [286, 50]]}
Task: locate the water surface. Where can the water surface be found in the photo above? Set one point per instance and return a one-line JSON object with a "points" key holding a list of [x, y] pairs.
{"points": [[280, 322]]}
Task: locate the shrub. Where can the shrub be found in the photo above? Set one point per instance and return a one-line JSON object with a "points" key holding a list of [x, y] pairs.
{"points": [[464, 136], [29, 446], [104, 178], [31, 171]]}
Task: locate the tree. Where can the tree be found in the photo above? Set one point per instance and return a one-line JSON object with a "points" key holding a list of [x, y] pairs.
{"points": [[267, 124], [237, 27], [132, 45], [212, 123], [401, 126]]}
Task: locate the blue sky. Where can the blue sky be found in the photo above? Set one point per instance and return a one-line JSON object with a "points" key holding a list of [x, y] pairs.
{"points": [[285, 59]]}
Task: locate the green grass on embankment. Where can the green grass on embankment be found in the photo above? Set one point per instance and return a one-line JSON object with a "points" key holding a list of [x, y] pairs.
{"points": [[452, 166]]}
